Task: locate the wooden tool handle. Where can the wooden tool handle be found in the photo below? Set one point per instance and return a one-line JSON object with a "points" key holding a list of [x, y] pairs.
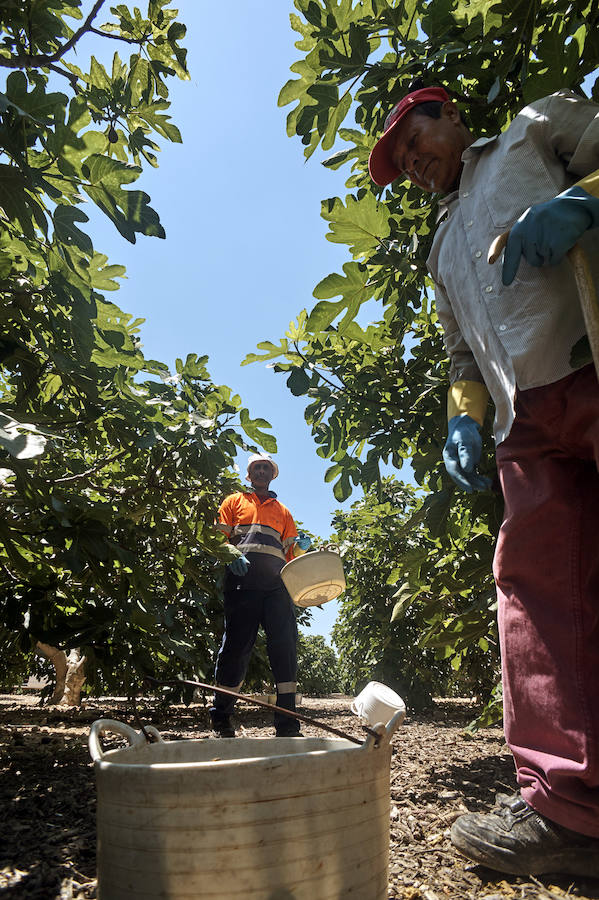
{"points": [[497, 247], [587, 294], [588, 299]]}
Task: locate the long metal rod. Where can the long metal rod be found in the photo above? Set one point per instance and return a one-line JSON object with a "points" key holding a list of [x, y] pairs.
{"points": [[246, 699]]}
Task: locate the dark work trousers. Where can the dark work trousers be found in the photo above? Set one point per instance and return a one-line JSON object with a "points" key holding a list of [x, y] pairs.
{"points": [[245, 611]]}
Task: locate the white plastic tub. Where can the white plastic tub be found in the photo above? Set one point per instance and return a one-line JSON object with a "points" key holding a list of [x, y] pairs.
{"points": [[242, 818], [314, 578]]}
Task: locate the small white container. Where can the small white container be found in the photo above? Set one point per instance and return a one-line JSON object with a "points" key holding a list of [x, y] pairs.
{"points": [[314, 578], [377, 703]]}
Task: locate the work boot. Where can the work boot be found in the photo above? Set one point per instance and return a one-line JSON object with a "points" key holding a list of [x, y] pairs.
{"points": [[222, 727], [516, 839], [288, 731], [286, 726]]}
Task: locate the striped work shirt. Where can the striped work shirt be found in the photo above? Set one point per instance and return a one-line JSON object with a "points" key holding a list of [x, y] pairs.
{"points": [[520, 335], [265, 533]]}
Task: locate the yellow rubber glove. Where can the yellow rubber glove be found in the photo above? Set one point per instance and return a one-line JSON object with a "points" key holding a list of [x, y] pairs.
{"points": [[467, 397], [590, 184]]}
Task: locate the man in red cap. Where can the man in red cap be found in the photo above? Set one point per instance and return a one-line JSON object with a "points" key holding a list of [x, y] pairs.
{"points": [[434, 142], [509, 333]]}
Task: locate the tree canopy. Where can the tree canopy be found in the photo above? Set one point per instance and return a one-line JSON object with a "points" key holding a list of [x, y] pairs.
{"points": [[376, 392], [407, 617], [111, 465], [318, 670]]}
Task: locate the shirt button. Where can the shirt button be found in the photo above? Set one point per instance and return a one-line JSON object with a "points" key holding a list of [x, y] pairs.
{"points": [[469, 224], [478, 254], [466, 194], [489, 288], [502, 327]]}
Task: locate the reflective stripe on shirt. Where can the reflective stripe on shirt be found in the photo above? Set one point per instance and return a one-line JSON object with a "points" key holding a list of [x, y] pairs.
{"points": [[264, 528]]}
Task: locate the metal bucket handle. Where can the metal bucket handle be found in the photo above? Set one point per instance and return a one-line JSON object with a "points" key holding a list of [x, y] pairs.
{"points": [[135, 738]]}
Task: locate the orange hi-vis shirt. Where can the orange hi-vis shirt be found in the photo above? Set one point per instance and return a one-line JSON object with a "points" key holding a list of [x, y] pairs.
{"points": [[264, 531]]}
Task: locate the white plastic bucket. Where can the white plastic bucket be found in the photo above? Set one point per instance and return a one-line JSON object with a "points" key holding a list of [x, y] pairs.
{"points": [[377, 703], [242, 818], [314, 578]]}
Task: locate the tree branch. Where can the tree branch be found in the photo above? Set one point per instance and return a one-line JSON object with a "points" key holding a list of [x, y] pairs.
{"points": [[99, 465], [72, 78], [336, 387], [54, 57], [46, 59], [119, 37]]}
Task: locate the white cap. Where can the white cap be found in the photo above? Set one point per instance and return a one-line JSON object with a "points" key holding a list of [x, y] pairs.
{"points": [[262, 457]]}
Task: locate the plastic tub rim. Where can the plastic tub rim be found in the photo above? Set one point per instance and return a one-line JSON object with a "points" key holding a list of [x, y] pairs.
{"points": [[239, 762]]}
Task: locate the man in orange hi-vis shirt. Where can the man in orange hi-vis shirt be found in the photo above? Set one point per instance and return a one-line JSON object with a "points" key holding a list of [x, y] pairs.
{"points": [[264, 533]]}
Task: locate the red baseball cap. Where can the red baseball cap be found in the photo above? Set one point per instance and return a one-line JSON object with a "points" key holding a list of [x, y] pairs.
{"points": [[380, 165]]}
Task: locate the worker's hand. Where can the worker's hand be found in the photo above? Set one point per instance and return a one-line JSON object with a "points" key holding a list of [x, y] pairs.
{"points": [[545, 232], [303, 541], [239, 566], [461, 454]]}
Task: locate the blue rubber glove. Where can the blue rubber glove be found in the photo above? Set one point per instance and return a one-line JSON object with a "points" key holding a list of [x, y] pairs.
{"points": [[461, 454], [303, 541], [545, 232], [239, 566]]}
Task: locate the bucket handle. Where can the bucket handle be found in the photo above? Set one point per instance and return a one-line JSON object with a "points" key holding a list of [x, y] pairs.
{"points": [[394, 722], [381, 734], [135, 738]]}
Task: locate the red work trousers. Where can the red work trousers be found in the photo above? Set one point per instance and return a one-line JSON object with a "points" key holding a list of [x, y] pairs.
{"points": [[547, 573]]}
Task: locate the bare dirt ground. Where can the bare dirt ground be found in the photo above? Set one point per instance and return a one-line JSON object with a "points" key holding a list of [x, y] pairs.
{"points": [[47, 796]]}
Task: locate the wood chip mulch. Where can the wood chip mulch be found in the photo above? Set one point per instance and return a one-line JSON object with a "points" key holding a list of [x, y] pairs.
{"points": [[47, 796]]}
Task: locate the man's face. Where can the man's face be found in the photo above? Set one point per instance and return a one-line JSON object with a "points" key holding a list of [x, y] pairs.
{"points": [[429, 151], [261, 473]]}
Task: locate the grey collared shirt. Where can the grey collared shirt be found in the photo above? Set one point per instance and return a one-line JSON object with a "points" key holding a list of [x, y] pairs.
{"points": [[521, 335]]}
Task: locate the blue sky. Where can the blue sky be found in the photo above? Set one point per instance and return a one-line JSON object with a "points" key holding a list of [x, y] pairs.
{"points": [[245, 243]]}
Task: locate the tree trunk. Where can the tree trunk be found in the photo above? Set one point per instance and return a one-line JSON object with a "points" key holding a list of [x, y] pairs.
{"points": [[75, 679], [69, 674], [58, 658]]}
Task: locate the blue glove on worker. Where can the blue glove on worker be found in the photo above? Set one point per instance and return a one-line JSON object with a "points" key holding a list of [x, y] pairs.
{"points": [[239, 566], [545, 232], [461, 454], [303, 541]]}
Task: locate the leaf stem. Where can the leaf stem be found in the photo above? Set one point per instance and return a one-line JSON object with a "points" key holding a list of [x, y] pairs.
{"points": [[120, 37], [96, 468]]}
